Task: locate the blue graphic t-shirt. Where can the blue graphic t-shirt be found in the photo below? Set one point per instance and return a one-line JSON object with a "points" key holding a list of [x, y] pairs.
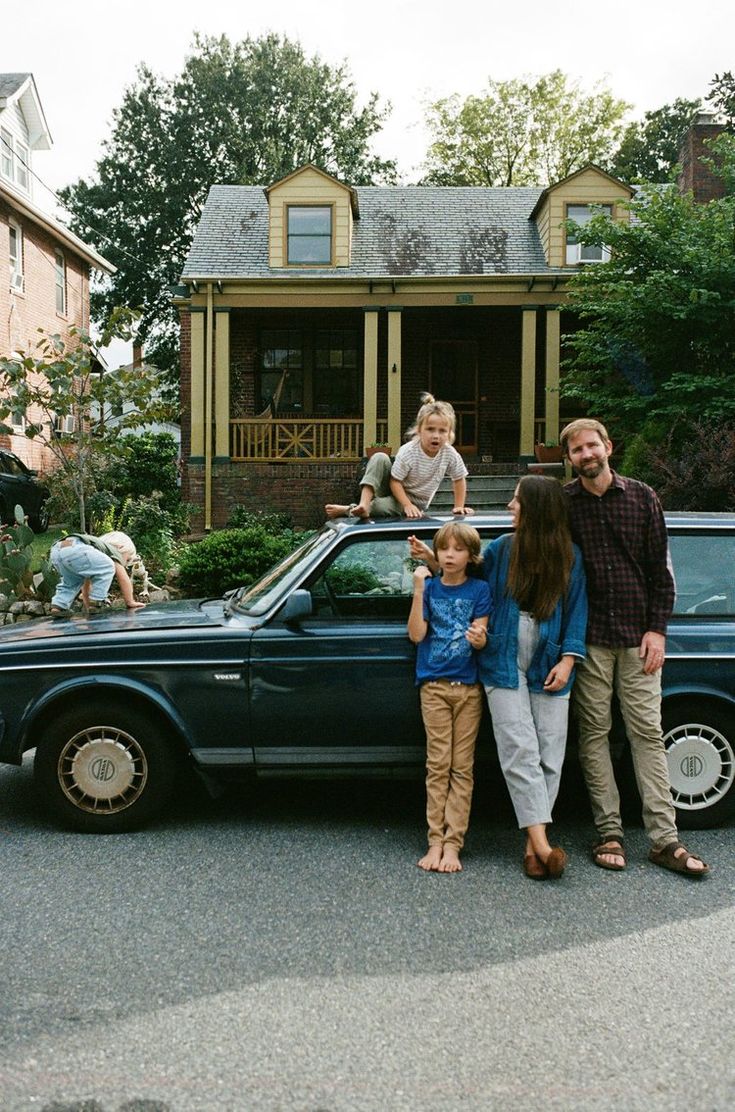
{"points": [[445, 653]]}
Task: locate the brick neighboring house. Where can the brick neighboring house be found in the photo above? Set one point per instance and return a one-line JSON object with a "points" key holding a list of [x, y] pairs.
{"points": [[48, 267], [313, 314]]}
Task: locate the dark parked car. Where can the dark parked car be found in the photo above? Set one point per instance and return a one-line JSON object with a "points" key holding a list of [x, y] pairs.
{"points": [[310, 670], [19, 486]]}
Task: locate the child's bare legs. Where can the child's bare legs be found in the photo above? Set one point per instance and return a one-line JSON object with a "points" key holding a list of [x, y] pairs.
{"points": [[431, 860], [362, 509], [375, 484]]}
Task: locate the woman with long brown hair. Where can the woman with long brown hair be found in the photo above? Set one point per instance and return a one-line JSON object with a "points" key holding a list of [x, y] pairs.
{"points": [[538, 628]]}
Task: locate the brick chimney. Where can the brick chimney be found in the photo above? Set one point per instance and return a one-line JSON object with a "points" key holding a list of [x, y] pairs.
{"points": [[695, 176], [137, 354]]}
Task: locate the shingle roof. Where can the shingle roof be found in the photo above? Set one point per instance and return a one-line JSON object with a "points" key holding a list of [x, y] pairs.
{"points": [[11, 82], [402, 231]]}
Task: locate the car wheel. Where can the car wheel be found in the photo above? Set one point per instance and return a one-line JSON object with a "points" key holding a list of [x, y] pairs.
{"points": [[104, 768], [40, 520], [700, 749]]}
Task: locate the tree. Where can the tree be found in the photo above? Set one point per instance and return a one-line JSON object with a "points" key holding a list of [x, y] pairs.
{"points": [[242, 113], [651, 146], [63, 387], [527, 131], [657, 344], [722, 97]]}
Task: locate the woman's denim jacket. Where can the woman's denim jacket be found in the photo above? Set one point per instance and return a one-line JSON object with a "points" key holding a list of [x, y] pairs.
{"points": [[564, 632]]}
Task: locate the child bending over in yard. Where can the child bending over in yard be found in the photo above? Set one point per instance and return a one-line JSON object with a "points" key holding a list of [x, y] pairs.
{"points": [[407, 486], [448, 622]]}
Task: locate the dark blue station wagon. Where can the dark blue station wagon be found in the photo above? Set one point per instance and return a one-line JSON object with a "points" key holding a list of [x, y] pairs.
{"points": [[310, 670]]}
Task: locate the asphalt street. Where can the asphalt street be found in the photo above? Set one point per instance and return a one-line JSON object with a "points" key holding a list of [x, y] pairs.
{"points": [[278, 949]]}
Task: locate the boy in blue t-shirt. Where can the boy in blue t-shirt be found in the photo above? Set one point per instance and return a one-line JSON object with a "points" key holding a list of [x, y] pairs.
{"points": [[448, 621]]}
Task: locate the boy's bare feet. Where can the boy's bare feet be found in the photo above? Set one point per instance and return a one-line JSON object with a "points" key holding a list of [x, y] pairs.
{"points": [[431, 860], [334, 510], [450, 862]]}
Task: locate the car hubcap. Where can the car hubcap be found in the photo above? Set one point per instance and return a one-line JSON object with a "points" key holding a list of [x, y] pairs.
{"points": [[701, 765], [102, 769]]}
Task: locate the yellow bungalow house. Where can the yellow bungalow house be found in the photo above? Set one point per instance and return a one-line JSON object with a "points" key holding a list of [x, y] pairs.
{"points": [[313, 314]]}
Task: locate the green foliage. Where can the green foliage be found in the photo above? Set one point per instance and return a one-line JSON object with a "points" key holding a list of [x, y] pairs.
{"points": [[527, 131], [148, 462], [62, 383], [722, 97], [248, 112], [657, 336], [231, 558], [17, 579], [272, 521], [693, 469], [347, 579], [154, 529], [650, 147]]}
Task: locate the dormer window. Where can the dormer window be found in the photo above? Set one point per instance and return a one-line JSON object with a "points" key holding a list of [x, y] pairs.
{"points": [[309, 235], [14, 160], [585, 253]]}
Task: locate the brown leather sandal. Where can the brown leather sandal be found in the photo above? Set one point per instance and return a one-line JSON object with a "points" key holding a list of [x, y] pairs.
{"points": [[611, 846]]}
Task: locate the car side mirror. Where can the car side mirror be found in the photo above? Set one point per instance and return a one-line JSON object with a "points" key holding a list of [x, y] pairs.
{"points": [[297, 606]]}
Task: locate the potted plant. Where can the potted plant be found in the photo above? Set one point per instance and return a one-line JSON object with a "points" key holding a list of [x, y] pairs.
{"points": [[377, 446], [549, 452]]}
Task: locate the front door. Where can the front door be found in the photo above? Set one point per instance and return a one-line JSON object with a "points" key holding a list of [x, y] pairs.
{"points": [[454, 379]]}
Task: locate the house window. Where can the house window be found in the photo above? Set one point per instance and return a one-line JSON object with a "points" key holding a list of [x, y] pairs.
{"points": [[60, 270], [309, 235], [15, 255], [17, 414], [281, 370], [336, 379], [578, 252], [6, 154], [64, 425], [22, 162], [14, 160]]}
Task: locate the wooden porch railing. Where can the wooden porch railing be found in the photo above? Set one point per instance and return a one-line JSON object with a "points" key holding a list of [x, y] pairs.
{"points": [[298, 439]]}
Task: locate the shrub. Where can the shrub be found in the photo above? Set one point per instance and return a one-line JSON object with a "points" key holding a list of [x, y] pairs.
{"points": [[231, 558], [153, 529], [348, 579], [148, 462], [694, 469], [271, 520]]}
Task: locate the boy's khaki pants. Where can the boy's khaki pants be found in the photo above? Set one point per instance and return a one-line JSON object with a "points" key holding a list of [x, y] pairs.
{"points": [[451, 713]]}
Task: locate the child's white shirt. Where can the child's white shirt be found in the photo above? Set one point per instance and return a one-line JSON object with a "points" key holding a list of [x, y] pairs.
{"points": [[422, 474]]}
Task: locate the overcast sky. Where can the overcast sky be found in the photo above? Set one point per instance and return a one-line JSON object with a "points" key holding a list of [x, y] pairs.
{"points": [[85, 52]]}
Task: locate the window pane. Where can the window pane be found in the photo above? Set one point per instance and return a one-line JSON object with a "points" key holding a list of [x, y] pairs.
{"points": [[309, 220], [309, 249], [371, 580], [21, 166], [6, 153], [704, 570]]}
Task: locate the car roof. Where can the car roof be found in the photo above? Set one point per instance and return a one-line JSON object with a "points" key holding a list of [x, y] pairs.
{"points": [[501, 519]]}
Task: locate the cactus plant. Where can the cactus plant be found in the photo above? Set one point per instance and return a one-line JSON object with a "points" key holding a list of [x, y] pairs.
{"points": [[17, 580]]}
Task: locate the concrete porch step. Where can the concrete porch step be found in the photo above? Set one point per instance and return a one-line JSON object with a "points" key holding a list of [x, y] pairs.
{"points": [[484, 492]]}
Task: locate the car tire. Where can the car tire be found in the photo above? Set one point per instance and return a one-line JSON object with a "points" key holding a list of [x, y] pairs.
{"points": [[39, 521], [104, 768], [700, 749]]}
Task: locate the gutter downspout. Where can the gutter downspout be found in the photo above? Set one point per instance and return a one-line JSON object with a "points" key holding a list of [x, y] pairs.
{"points": [[208, 408]]}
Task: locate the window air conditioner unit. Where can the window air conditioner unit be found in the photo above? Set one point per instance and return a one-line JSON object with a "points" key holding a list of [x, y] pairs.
{"points": [[16, 281]]}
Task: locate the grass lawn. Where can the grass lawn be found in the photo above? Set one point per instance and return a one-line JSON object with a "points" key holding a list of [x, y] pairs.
{"points": [[42, 543]]}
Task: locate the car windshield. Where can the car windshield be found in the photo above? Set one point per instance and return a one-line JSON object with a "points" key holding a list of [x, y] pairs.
{"points": [[261, 595]]}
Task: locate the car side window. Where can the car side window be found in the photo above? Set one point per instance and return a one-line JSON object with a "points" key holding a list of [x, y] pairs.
{"points": [[367, 580], [704, 570]]}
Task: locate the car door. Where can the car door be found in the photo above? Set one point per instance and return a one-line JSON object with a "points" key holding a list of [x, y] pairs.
{"points": [[338, 687], [699, 674]]}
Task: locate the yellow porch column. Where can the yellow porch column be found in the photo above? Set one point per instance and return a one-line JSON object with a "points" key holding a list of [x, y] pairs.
{"points": [[370, 380], [208, 407], [222, 385], [528, 381], [394, 378], [551, 408], [197, 384]]}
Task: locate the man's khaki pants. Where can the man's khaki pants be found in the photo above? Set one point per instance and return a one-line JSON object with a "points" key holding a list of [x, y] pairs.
{"points": [[639, 696], [451, 713]]}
